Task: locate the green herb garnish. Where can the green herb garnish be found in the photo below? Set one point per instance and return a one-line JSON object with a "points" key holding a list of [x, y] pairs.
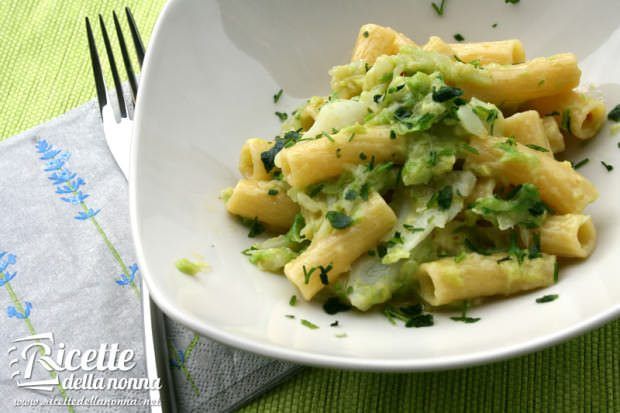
{"points": [[511, 1], [444, 197], [292, 301], [537, 148], [272, 192], [580, 163], [334, 324], [556, 272], [308, 324], [365, 34], [256, 228], [350, 195], [338, 219], [459, 37], [614, 114], [282, 116], [494, 25], [323, 273], [463, 317], [277, 96], [333, 305], [289, 316], [439, 9], [307, 274], [607, 166], [547, 298], [446, 93]]}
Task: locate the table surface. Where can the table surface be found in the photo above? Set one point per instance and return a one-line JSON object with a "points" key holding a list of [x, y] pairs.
{"points": [[45, 71]]}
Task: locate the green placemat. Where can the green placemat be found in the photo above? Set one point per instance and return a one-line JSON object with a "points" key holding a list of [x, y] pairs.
{"points": [[45, 71]]}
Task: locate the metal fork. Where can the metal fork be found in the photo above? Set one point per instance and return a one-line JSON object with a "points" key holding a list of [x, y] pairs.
{"points": [[117, 127]]}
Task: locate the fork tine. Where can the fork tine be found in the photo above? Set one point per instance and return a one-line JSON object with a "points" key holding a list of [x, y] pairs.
{"points": [[128, 66], [97, 72], [117, 81], [135, 35]]}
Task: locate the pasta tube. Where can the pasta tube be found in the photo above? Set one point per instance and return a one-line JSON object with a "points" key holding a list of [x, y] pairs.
{"points": [[340, 248], [250, 164], [528, 129], [503, 52], [512, 84], [560, 186], [554, 136], [374, 40], [570, 235], [446, 281], [316, 160], [577, 113], [251, 199], [437, 45]]}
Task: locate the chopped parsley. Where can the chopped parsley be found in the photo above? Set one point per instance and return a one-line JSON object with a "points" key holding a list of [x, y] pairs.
{"points": [[580, 163], [511, 1], [277, 96], [338, 219], [607, 166], [338, 154], [541, 82], [341, 335], [272, 192], [411, 228], [494, 25], [392, 134], [556, 272], [314, 190], [363, 156], [256, 228], [309, 324], [471, 149], [289, 316], [282, 116], [463, 317], [292, 301], [537, 148], [459, 37], [328, 136], [565, 121], [365, 34], [439, 9], [614, 114], [350, 195], [352, 136], [323, 273], [377, 98], [307, 274], [364, 191], [333, 305], [446, 93], [267, 157], [444, 197], [547, 298], [412, 316], [334, 324]]}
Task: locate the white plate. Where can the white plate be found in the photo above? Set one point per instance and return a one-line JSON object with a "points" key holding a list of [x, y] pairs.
{"points": [[211, 71]]}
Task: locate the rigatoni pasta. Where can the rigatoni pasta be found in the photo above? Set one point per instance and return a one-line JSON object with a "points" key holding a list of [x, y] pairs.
{"points": [[417, 179]]}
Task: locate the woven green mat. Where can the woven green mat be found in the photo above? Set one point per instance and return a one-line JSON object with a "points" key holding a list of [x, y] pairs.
{"points": [[45, 71]]}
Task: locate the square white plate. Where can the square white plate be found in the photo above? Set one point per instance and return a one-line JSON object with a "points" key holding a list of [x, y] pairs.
{"points": [[211, 72]]}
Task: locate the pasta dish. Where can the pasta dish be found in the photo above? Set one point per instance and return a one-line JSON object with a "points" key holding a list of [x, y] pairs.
{"points": [[428, 174]]}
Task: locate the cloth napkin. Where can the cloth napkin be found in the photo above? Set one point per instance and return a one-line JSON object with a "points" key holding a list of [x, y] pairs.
{"points": [[71, 282]]}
